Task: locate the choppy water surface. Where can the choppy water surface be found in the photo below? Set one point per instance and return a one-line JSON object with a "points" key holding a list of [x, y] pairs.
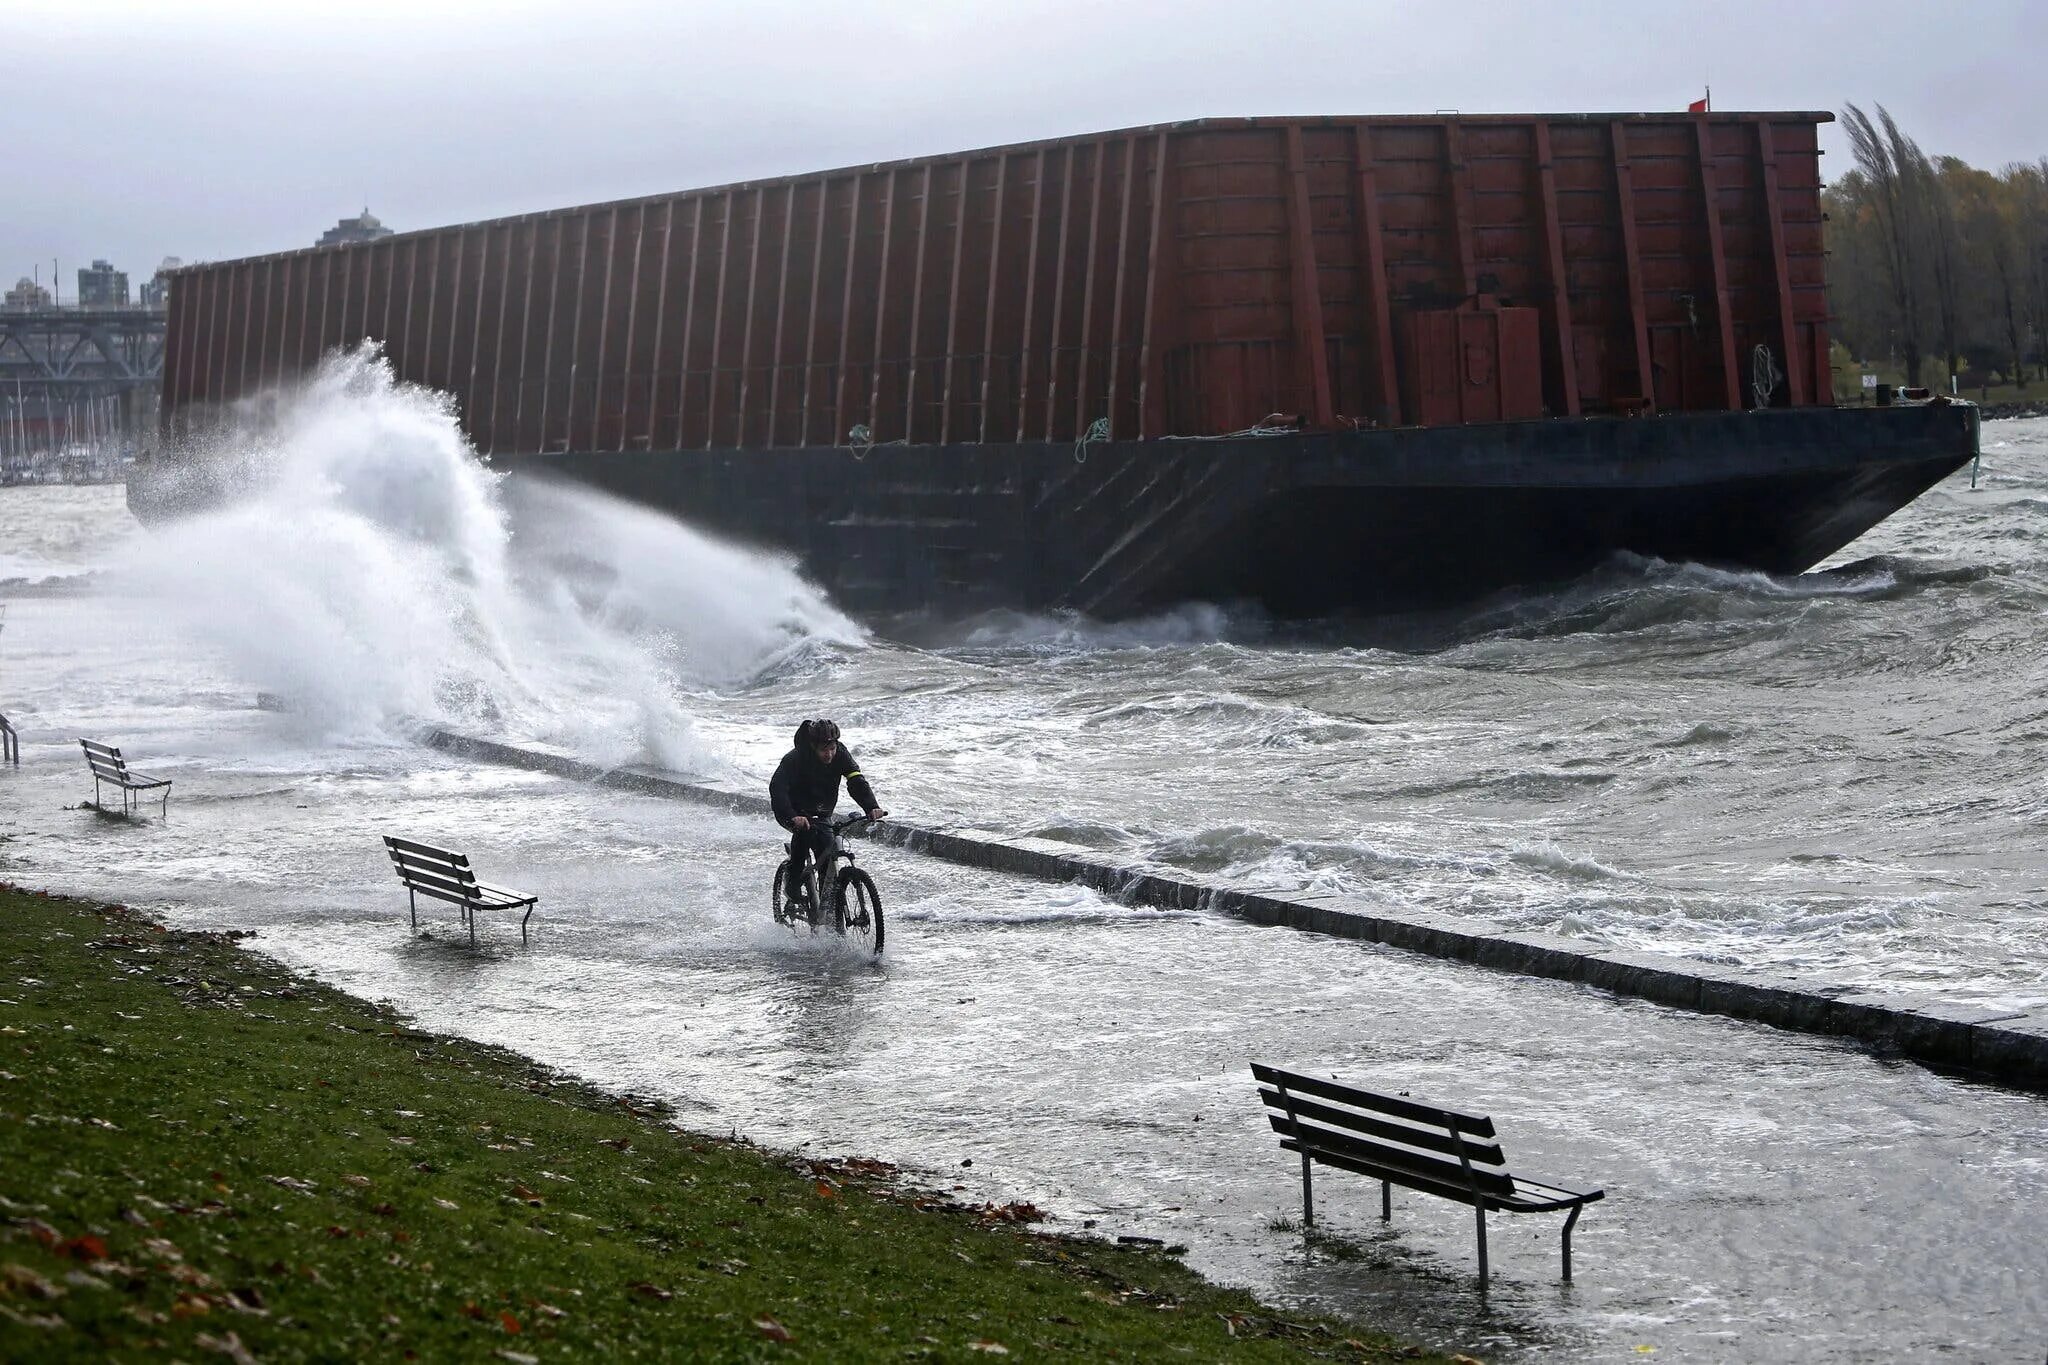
{"points": [[1838, 775]]}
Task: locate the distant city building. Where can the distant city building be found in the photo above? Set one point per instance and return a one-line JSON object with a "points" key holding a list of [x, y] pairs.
{"points": [[363, 228], [156, 290], [27, 294], [102, 286]]}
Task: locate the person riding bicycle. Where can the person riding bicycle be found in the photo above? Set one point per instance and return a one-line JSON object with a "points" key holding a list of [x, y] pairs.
{"points": [[805, 788]]}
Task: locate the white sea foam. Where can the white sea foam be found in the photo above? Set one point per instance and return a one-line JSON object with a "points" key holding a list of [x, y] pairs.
{"points": [[372, 571]]}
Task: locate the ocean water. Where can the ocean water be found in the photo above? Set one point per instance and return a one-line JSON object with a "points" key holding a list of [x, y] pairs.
{"points": [[1837, 775]]}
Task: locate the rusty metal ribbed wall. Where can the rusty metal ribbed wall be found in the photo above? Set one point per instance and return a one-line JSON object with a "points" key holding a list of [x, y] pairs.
{"points": [[1190, 279]]}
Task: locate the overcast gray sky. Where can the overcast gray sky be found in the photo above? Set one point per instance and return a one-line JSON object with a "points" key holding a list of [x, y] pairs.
{"points": [[215, 128]]}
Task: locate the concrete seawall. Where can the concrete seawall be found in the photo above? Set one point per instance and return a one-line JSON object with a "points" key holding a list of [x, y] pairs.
{"points": [[2008, 1047]]}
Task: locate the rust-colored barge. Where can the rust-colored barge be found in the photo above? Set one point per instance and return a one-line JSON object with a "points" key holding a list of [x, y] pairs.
{"points": [[1325, 363]]}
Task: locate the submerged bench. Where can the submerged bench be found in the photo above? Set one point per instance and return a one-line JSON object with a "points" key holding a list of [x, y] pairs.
{"points": [[10, 743], [1416, 1146], [108, 766], [446, 875]]}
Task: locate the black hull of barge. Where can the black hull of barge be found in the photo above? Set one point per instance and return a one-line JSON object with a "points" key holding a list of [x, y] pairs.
{"points": [[1304, 524]]}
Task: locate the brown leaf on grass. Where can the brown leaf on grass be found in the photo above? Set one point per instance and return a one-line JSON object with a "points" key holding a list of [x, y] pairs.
{"points": [[470, 1310], [20, 1279], [520, 1191], [85, 1248], [227, 1344], [826, 1190], [1018, 1212], [651, 1291], [360, 1181], [41, 1231], [509, 1323], [773, 1330], [385, 1210], [620, 1144], [190, 1306]]}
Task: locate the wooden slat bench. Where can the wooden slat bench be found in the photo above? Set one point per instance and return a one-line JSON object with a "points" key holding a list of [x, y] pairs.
{"points": [[446, 875], [1399, 1142], [108, 766]]}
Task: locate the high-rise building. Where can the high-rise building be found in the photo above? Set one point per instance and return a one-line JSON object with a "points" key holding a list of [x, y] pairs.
{"points": [[363, 228], [26, 294], [156, 290], [102, 286]]}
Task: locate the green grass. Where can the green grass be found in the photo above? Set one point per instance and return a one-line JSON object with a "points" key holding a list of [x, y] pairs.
{"points": [[202, 1155]]}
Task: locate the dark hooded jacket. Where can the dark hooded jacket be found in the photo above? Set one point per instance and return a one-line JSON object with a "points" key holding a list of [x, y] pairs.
{"points": [[804, 786]]}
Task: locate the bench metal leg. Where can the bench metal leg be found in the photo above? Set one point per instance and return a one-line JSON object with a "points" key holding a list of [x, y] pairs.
{"points": [[1386, 1201], [1479, 1210], [413, 898], [469, 918], [1572, 1218], [529, 915], [1308, 1206]]}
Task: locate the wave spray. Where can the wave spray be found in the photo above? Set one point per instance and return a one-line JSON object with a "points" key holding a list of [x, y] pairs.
{"points": [[367, 567]]}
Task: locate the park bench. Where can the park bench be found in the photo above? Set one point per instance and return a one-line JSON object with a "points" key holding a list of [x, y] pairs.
{"points": [[446, 875], [10, 743], [108, 766], [1400, 1142]]}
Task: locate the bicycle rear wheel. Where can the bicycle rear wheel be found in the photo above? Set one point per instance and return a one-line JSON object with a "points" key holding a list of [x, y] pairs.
{"points": [[857, 908]]}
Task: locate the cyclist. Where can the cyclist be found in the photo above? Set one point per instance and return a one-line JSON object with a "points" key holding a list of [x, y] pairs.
{"points": [[805, 788]]}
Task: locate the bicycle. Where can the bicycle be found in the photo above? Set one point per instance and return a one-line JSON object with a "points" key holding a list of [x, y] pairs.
{"points": [[856, 908]]}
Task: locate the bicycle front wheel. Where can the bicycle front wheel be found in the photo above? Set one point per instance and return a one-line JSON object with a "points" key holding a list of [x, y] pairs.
{"points": [[857, 907], [776, 896]]}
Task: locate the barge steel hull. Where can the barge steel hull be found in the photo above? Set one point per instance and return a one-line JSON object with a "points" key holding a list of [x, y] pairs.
{"points": [[1306, 524]]}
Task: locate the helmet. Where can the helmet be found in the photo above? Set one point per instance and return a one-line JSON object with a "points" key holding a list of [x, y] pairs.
{"points": [[818, 732]]}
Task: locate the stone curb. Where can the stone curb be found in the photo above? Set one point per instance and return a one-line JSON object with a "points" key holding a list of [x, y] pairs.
{"points": [[2009, 1047]]}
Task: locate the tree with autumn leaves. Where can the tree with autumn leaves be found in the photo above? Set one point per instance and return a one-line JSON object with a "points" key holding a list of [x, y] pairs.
{"points": [[1932, 258]]}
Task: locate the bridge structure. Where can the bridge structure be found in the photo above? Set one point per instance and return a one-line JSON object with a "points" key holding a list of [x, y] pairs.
{"points": [[76, 380]]}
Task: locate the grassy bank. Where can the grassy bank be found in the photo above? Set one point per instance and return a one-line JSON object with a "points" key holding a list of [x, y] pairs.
{"points": [[201, 1153]]}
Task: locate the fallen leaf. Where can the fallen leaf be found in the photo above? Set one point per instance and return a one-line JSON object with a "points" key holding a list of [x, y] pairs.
{"points": [[228, 1345], [994, 1348], [773, 1330], [86, 1248], [20, 1277], [825, 1190], [509, 1323], [651, 1291], [359, 1180], [292, 1182], [446, 1203]]}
